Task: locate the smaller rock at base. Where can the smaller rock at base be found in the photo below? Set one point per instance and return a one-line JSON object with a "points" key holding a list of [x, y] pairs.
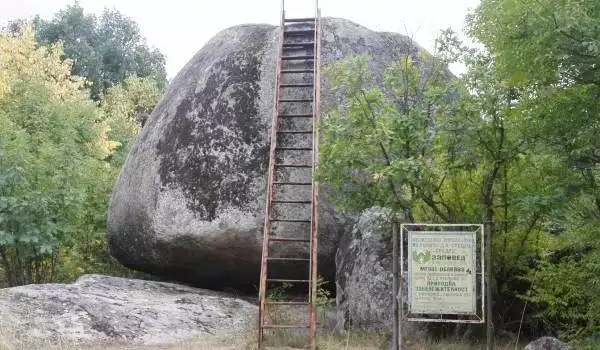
{"points": [[364, 291], [547, 343]]}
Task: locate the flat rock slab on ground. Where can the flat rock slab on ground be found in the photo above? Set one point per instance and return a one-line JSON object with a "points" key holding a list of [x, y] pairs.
{"points": [[107, 310]]}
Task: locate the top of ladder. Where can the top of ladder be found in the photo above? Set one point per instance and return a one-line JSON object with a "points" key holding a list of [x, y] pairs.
{"points": [[304, 17]]}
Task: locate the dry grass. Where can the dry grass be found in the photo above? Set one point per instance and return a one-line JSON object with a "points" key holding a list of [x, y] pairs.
{"points": [[449, 345], [10, 342], [281, 341], [362, 342], [356, 341]]}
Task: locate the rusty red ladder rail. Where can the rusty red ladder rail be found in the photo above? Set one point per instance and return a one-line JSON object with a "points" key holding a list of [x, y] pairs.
{"points": [[296, 34]]}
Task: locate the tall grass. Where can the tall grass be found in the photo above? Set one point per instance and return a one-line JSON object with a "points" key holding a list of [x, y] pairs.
{"points": [[282, 341]]}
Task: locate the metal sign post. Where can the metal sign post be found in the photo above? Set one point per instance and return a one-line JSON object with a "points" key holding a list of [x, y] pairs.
{"points": [[445, 272], [488, 286], [396, 330]]}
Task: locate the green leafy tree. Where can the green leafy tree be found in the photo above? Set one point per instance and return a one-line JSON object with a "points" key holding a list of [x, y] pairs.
{"points": [[104, 50], [126, 108], [378, 150], [462, 149], [60, 154], [548, 51], [51, 147], [516, 146], [547, 41]]}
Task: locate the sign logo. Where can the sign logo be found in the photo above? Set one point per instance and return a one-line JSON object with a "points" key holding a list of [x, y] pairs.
{"points": [[421, 256]]}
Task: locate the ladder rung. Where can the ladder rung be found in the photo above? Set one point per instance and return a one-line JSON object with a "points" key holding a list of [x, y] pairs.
{"points": [[298, 32], [295, 132], [291, 202], [286, 280], [284, 239], [295, 100], [284, 326], [292, 183], [305, 44], [287, 302], [294, 71], [306, 57], [294, 148], [293, 165], [296, 85], [295, 116], [307, 19], [288, 259], [291, 220]]}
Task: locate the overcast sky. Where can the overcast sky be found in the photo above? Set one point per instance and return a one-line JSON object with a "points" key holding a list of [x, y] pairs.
{"points": [[179, 28]]}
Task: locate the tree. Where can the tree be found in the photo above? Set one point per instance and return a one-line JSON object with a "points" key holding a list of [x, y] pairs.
{"points": [[51, 147], [549, 51], [104, 50], [547, 41], [516, 145], [126, 108], [378, 150], [470, 149], [60, 153]]}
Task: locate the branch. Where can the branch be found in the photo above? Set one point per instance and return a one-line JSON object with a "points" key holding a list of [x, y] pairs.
{"points": [[515, 151], [530, 227], [592, 182], [433, 205], [488, 190], [369, 114], [488, 148], [441, 183]]}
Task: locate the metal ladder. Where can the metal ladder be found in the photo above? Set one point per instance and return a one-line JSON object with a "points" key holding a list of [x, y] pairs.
{"points": [[292, 162]]}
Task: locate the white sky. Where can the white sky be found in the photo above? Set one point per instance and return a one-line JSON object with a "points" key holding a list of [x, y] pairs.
{"points": [[179, 28]]}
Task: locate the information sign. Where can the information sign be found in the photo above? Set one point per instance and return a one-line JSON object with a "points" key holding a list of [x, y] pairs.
{"points": [[442, 272]]}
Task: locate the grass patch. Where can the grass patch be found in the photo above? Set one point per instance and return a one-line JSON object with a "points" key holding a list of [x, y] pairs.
{"points": [[326, 341], [355, 341], [450, 345]]}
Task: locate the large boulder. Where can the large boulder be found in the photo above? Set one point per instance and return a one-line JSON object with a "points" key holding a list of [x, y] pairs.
{"points": [[98, 310], [365, 298], [190, 201]]}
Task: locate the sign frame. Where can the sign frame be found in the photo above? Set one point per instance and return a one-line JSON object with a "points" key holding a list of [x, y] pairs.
{"points": [[478, 316]]}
